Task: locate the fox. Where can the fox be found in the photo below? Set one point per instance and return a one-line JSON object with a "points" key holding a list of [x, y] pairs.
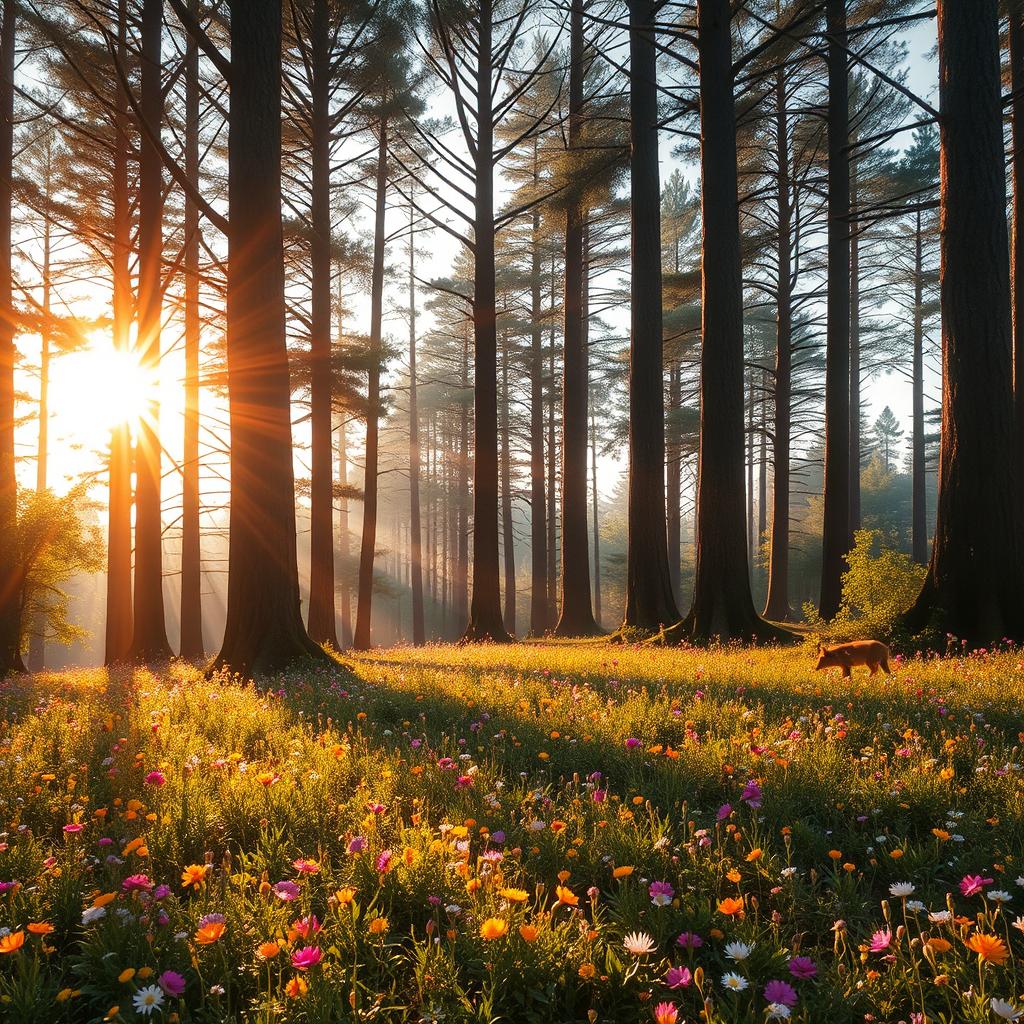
{"points": [[872, 653]]}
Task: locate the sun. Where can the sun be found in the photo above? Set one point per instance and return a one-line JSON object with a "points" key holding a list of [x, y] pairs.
{"points": [[100, 387]]}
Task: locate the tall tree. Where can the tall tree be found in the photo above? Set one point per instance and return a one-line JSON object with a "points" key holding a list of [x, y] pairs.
{"points": [[415, 525], [975, 585]]}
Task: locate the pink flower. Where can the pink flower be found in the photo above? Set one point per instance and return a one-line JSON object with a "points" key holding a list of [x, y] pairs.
{"points": [[137, 883], [308, 956], [880, 940], [780, 992], [73, 829], [172, 983], [723, 812], [971, 885], [751, 794], [661, 893], [632, 742], [666, 1013], [384, 861], [306, 867], [307, 926], [690, 940], [156, 779], [802, 967], [678, 977], [286, 891]]}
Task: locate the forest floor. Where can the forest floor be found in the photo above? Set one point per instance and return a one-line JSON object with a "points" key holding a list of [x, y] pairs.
{"points": [[549, 833]]}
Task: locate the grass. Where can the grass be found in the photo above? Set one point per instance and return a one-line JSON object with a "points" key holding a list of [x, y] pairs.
{"points": [[472, 834]]}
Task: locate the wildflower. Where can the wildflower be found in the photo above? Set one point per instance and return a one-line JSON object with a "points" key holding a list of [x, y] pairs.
{"points": [[587, 971], [267, 950], [690, 940], [777, 1011], [1004, 1010], [286, 891], [901, 889], [126, 975], [297, 987], [622, 872], [343, 897], [632, 743], [210, 932], [172, 983], [357, 844], [751, 794], [780, 992], [91, 914], [754, 855], [148, 999], [802, 967], [514, 895], [990, 948], [194, 875], [999, 896], [639, 943], [493, 928], [528, 932], [308, 956], [678, 977], [731, 906], [40, 928], [738, 950], [723, 812], [971, 885], [661, 893], [881, 940], [73, 829], [734, 982], [306, 926], [378, 926], [306, 867], [937, 944], [137, 883], [566, 896], [940, 916], [155, 779], [666, 1013], [12, 942]]}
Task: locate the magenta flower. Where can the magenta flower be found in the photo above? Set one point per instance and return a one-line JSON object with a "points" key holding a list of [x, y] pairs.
{"points": [[690, 940], [661, 893], [307, 926], [881, 940], [306, 867], [802, 967], [172, 983], [137, 883], [384, 861], [632, 742], [599, 796], [156, 779], [780, 992], [723, 812], [751, 794], [308, 956], [286, 891], [971, 885], [73, 829], [678, 977], [357, 844]]}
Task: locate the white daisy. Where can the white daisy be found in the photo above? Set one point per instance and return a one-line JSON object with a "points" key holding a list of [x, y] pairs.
{"points": [[901, 889], [735, 982], [915, 906], [1000, 896], [148, 999], [639, 943], [939, 916], [1004, 1010], [91, 914], [738, 950]]}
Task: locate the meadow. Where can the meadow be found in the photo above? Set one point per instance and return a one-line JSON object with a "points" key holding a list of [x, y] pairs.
{"points": [[537, 833]]}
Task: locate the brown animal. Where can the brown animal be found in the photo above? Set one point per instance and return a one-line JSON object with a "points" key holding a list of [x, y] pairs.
{"points": [[872, 653]]}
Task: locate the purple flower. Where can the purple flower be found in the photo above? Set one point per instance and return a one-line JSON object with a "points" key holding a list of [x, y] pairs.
{"points": [[678, 977], [172, 983], [286, 891], [661, 893], [751, 794], [690, 940], [212, 919], [723, 812], [803, 967], [780, 992], [383, 861], [357, 844], [632, 742], [498, 837]]}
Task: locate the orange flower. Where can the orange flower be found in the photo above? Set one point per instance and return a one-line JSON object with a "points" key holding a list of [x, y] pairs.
{"points": [[587, 971], [529, 932], [938, 945], [12, 942], [378, 926], [836, 854], [730, 906], [566, 896], [733, 876], [514, 895], [194, 875], [493, 928], [40, 928], [754, 855], [297, 987], [623, 872], [104, 898], [210, 933], [990, 948], [344, 897], [268, 950]]}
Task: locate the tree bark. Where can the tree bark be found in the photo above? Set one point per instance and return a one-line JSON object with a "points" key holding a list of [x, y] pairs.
{"points": [[344, 583], [552, 504], [597, 517], [367, 549], [10, 571], [192, 645], [321, 619], [264, 632], [673, 474], [836, 526], [1016, 38], [539, 614], [723, 607], [507, 531], [974, 590], [855, 373], [462, 565], [777, 602], [485, 614], [419, 636], [919, 512], [118, 617], [149, 634], [650, 604]]}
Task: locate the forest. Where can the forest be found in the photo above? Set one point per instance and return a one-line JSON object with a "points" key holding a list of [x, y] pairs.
{"points": [[446, 447]]}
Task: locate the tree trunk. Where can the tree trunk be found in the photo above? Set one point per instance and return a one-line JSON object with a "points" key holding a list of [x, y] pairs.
{"points": [[552, 504], [777, 602], [462, 567], [975, 585], [919, 512], [722, 604], [762, 467], [321, 620], [10, 571], [367, 549], [149, 634], [674, 473], [264, 632], [597, 517], [119, 509], [836, 527], [344, 552], [191, 557], [419, 635], [855, 401], [485, 616], [750, 474], [507, 531], [539, 614], [650, 604], [1016, 36]]}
